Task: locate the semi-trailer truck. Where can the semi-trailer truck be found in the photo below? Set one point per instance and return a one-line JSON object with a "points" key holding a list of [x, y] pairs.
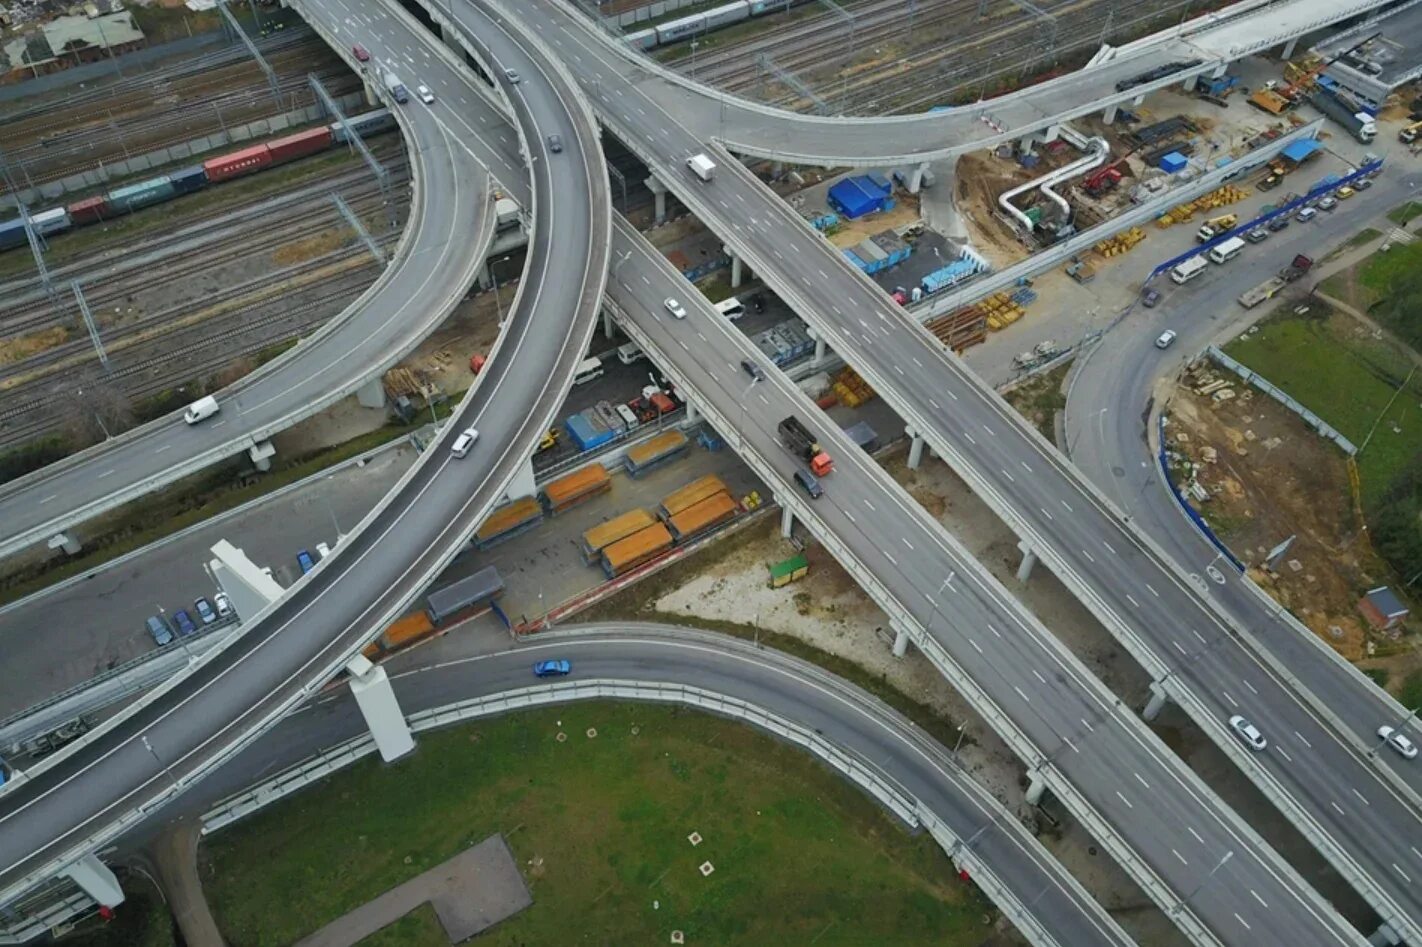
{"points": [[1359, 124], [396, 88], [804, 445]]}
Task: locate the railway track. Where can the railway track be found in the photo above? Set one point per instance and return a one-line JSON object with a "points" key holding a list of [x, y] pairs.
{"points": [[285, 220]]}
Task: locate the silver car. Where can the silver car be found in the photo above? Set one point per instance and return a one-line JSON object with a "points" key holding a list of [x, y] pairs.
{"points": [[1248, 732], [1398, 742]]}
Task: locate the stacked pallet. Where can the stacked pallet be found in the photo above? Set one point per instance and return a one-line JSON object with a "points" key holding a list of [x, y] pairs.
{"points": [[850, 389], [1121, 243], [963, 328], [1219, 197]]}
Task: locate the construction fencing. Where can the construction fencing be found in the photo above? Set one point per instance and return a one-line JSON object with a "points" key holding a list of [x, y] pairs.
{"points": [[1323, 428]]}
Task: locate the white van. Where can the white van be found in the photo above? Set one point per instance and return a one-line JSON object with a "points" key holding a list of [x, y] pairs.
{"points": [[588, 369], [731, 308], [1188, 270], [1227, 251], [201, 410], [629, 352]]}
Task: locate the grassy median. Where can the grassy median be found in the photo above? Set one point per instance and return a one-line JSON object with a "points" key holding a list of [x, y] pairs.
{"points": [[599, 826]]}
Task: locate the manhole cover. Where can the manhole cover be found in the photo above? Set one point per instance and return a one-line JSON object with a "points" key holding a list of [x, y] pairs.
{"points": [[1119, 471]]}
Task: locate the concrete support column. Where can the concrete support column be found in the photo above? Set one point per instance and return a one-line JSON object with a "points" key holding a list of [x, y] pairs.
{"points": [[1052, 133], [1157, 702], [261, 455], [1026, 143], [1029, 559], [376, 699], [901, 642], [787, 522], [1109, 116], [1190, 83], [67, 542], [1386, 935], [372, 97], [737, 269], [371, 394], [939, 205], [915, 456], [692, 414], [96, 880], [1036, 788], [916, 177], [777, 168], [821, 350], [522, 484], [608, 326], [1219, 70], [659, 191], [251, 589], [485, 278], [1289, 48]]}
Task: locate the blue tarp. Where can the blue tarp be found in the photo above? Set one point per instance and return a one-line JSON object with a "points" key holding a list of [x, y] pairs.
{"points": [[1299, 151], [859, 195]]}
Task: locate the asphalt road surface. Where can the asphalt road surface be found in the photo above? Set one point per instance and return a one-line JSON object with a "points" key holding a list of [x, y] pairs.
{"points": [[73, 800]]}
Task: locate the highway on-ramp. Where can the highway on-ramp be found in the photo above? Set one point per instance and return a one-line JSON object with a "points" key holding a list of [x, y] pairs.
{"points": [[72, 803]]}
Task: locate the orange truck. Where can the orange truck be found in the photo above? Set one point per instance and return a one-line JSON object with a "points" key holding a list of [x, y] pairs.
{"points": [[641, 547], [805, 445]]}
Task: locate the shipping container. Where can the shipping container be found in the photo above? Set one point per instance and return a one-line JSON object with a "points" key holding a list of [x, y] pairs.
{"points": [[90, 210], [863, 435], [126, 200], [238, 163], [603, 535], [405, 631], [700, 517], [582, 484], [690, 495], [189, 179], [637, 549], [365, 125], [508, 521], [789, 570], [299, 145], [54, 220], [651, 454], [587, 431], [470, 592], [12, 234]]}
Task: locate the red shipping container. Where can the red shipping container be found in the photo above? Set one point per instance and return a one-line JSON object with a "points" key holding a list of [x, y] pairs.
{"points": [[300, 145], [238, 163], [89, 210]]}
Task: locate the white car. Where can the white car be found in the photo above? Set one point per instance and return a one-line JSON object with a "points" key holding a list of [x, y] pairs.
{"points": [[464, 442], [223, 604], [1398, 742], [1248, 732], [426, 96], [1165, 339], [675, 308]]}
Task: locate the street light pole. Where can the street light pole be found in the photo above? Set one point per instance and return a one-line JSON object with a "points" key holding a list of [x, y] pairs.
{"points": [[159, 760], [1402, 725], [1183, 903]]}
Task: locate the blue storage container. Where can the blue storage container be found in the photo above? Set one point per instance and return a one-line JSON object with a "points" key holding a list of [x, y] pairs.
{"points": [[12, 234], [189, 179], [1173, 163], [586, 432], [128, 199]]}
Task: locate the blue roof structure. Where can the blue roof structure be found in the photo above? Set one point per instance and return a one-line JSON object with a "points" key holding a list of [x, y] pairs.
{"points": [[1301, 150], [859, 195]]}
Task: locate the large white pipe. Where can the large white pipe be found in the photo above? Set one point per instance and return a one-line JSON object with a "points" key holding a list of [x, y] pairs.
{"points": [[1099, 149]]}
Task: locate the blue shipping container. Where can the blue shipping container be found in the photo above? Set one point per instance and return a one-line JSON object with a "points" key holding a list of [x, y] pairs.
{"points": [[189, 179], [12, 234], [1173, 163], [585, 433], [131, 198]]}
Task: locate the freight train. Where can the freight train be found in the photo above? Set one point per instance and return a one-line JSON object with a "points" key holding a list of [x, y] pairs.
{"points": [[674, 31], [132, 197]]}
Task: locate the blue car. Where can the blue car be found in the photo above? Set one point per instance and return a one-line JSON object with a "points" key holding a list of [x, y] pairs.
{"points": [[185, 623], [554, 668], [303, 559]]}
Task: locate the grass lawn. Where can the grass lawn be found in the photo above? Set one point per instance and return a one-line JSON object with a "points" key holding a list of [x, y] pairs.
{"points": [[143, 920], [1336, 369], [1039, 400], [599, 827], [1404, 214]]}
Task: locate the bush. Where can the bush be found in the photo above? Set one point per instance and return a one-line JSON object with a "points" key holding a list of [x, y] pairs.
{"points": [[31, 457], [1410, 693]]}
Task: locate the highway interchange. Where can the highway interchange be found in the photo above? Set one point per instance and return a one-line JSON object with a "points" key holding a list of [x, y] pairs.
{"points": [[1131, 748]]}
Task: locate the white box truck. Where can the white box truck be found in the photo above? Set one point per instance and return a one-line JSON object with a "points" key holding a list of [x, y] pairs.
{"points": [[201, 410], [702, 166], [395, 87]]}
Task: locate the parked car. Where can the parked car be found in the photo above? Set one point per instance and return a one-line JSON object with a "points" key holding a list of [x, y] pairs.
{"points": [[160, 631], [753, 370], [555, 667], [675, 308], [1257, 235], [1165, 339], [464, 442], [1248, 732], [1305, 215], [361, 52], [322, 550], [1346, 192], [1150, 297], [426, 96], [185, 623], [224, 605], [303, 559], [1278, 223], [1328, 203], [1398, 742], [555, 144], [205, 611], [1362, 184], [512, 76]]}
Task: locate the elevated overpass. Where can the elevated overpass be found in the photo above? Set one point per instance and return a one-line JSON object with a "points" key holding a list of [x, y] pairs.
{"points": [[74, 802]]}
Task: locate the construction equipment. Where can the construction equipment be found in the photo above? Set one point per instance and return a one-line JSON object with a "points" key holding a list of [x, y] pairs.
{"points": [[1270, 101], [1122, 242], [1297, 268], [800, 442], [1215, 226], [1080, 270], [1410, 133]]}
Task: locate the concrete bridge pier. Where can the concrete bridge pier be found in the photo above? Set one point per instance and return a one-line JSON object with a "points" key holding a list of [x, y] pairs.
{"points": [[370, 686], [371, 394], [915, 455], [915, 181], [609, 327], [738, 268], [787, 521], [821, 346], [67, 542], [1189, 84], [659, 192], [372, 97], [1109, 116], [522, 485], [1036, 788], [1288, 53], [251, 589], [901, 642], [1158, 699], [693, 414], [261, 455], [1029, 561], [1386, 935], [1026, 143], [95, 879]]}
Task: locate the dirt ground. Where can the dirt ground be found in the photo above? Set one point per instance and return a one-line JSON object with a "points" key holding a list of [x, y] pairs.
{"points": [[1270, 478]]}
